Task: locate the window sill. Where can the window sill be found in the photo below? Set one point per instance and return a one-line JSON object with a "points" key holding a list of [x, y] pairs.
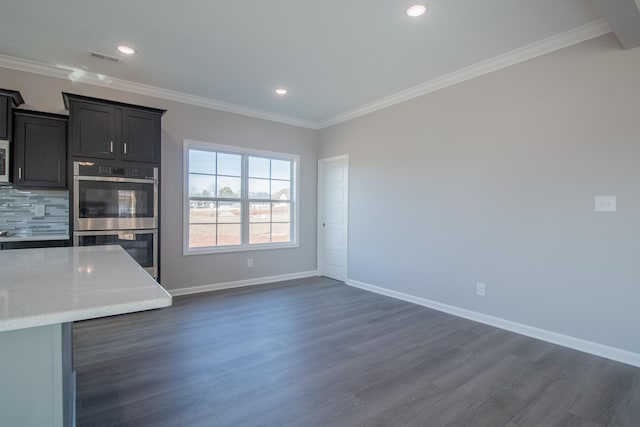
{"points": [[244, 248]]}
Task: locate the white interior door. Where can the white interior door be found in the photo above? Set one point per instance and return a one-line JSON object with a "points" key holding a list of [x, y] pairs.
{"points": [[333, 216]]}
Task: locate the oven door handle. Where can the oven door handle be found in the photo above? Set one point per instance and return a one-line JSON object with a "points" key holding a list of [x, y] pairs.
{"points": [[116, 232], [115, 179], [124, 235]]}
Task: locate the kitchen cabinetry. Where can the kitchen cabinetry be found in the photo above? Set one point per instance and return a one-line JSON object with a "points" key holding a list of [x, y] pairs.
{"points": [[102, 129], [34, 244], [9, 99], [40, 150]]}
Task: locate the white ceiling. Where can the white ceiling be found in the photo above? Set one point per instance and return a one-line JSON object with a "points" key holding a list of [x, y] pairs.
{"points": [[334, 56]]}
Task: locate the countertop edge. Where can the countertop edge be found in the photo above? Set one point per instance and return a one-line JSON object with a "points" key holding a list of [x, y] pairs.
{"points": [[84, 314]]}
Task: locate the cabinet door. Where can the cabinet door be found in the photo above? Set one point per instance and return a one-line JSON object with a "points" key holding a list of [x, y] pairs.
{"points": [[5, 112], [40, 155], [93, 130], [140, 136]]}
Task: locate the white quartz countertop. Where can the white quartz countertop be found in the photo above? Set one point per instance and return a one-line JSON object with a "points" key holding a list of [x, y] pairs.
{"points": [[56, 285]]}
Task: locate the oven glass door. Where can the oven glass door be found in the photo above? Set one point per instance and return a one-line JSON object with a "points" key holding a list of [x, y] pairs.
{"points": [[104, 205], [141, 245]]}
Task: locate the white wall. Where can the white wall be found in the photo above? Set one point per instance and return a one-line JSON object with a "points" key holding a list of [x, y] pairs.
{"points": [[493, 180], [190, 122]]}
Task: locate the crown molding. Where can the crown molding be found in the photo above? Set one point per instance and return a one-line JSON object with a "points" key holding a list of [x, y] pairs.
{"points": [[20, 64], [568, 38], [82, 76]]}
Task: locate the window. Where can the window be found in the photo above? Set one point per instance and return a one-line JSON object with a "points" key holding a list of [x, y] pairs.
{"points": [[238, 200]]}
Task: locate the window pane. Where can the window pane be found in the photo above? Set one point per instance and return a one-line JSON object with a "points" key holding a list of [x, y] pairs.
{"points": [[258, 188], [202, 211], [281, 212], [228, 188], [280, 232], [258, 167], [201, 235], [259, 212], [202, 161], [280, 169], [280, 190], [228, 234], [229, 212], [229, 164], [238, 199], [259, 233], [202, 185]]}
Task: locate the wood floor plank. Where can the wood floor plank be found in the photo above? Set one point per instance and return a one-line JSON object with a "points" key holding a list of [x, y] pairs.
{"points": [[600, 401], [552, 405], [317, 352], [628, 411], [571, 420]]}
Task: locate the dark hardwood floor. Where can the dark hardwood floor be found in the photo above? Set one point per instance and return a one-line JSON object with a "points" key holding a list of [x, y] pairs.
{"points": [[317, 352]]}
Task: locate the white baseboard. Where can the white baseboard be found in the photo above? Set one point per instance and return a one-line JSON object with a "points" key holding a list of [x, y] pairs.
{"points": [[596, 349], [241, 283]]}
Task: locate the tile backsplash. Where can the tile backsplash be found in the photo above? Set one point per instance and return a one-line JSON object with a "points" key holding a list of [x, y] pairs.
{"points": [[21, 211]]}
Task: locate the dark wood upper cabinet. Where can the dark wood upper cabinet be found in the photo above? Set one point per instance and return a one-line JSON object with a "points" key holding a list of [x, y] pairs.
{"points": [[9, 99], [40, 150], [113, 130], [140, 136], [93, 130]]}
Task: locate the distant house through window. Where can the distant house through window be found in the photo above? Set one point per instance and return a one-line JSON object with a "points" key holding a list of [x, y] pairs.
{"points": [[238, 200]]}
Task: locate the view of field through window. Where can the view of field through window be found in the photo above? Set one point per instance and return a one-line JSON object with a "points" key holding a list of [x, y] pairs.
{"points": [[227, 190]]}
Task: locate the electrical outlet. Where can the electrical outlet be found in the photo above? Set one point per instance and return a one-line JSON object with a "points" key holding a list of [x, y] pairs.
{"points": [[250, 262], [480, 289]]}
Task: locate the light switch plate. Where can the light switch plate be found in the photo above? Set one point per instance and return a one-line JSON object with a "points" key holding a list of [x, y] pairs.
{"points": [[606, 204]]}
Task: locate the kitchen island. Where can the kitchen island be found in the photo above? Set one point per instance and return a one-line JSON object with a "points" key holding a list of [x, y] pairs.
{"points": [[42, 291]]}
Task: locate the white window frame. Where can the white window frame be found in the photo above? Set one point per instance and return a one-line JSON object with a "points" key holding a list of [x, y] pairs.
{"points": [[244, 200]]}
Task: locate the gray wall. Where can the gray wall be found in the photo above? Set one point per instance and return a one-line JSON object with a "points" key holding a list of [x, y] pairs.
{"points": [[190, 122], [493, 180]]}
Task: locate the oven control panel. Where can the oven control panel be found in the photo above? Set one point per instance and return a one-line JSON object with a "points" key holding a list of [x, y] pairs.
{"points": [[102, 170]]}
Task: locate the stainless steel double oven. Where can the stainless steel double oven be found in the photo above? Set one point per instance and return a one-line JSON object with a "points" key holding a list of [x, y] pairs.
{"points": [[117, 205]]}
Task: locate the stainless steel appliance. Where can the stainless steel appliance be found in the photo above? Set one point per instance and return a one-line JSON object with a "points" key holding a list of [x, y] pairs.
{"points": [[117, 205], [142, 245], [113, 197]]}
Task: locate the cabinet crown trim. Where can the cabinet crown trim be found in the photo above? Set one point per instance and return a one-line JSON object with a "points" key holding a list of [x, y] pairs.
{"points": [[34, 113], [67, 97], [14, 95]]}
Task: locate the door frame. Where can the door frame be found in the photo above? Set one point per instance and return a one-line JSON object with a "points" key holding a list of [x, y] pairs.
{"points": [[320, 212]]}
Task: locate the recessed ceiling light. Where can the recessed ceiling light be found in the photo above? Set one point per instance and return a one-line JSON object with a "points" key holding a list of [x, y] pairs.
{"points": [[126, 50], [281, 91], [416, 10]]}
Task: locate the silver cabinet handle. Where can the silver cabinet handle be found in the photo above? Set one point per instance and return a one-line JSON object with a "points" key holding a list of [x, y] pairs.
{"points": [[125, 148], [111, 146], [19, 173]]}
